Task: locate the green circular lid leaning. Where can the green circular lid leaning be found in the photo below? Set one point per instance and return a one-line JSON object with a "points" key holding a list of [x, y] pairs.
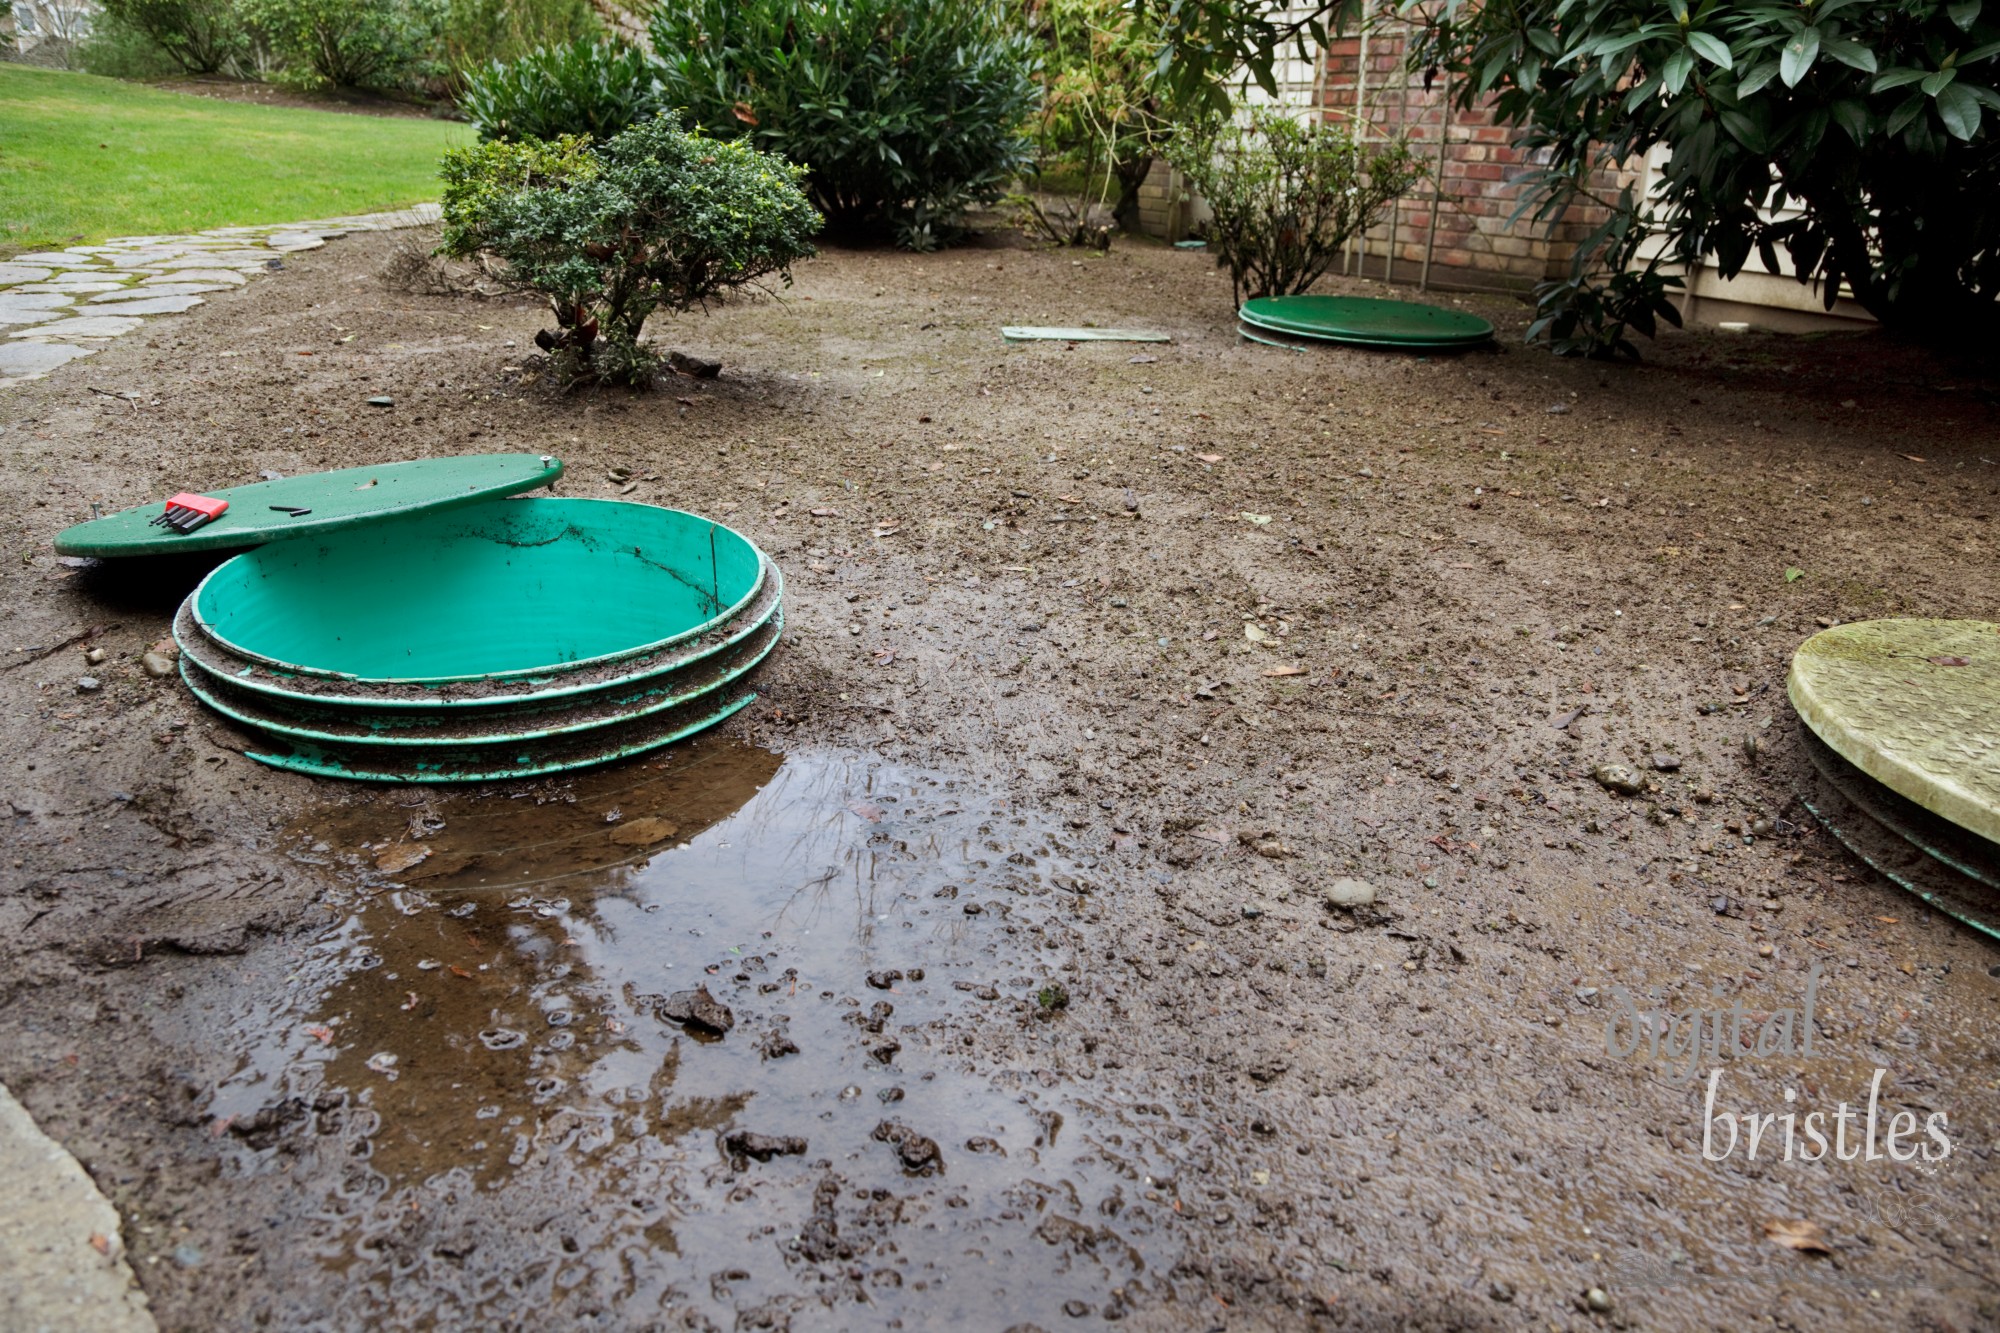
{"points": [[315, 503], [1367, 321]]}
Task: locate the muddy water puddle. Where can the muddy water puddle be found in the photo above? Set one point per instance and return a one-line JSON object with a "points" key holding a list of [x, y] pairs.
{"points": [[728, 1037]]}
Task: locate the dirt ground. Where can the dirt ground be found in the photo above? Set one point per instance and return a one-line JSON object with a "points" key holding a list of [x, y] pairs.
{"points": [[1104, 666], [270, 94]]}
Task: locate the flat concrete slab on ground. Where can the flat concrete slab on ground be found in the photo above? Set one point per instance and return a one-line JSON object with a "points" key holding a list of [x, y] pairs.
{"points": [[62, 1263]]}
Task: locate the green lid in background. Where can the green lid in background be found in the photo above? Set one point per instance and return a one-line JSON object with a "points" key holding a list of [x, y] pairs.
{"points": [[1366, 321]]}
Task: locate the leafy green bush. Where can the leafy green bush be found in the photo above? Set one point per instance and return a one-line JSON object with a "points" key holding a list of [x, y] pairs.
{"points": [[592, 88], [479, 32], [380, 44], [907, 112], [1858, 136], [1103, 117], [1287, 197], [196, 36], [655, 218]]}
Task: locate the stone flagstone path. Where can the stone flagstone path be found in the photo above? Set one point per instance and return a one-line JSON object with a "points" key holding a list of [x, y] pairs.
{"points": [[58, 305]]}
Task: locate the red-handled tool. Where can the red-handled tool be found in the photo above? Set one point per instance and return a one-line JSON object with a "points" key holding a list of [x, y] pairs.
{"points": [[187, 511]]}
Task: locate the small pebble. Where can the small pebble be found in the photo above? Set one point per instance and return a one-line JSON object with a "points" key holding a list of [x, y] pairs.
{"points": [[1349, 893], [1667, 763], [86, 684], [382, 400], [94, 656], [157, 665], [1618, 778], [1598, 1299]]}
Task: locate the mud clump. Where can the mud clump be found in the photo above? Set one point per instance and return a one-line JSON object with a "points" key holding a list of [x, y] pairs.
{"points": [[742, 1143], [698, 1010], [919, 1153], [819, 1240], [777, 1045]]}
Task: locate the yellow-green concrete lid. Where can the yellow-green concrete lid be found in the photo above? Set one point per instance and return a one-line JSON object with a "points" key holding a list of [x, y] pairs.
{"points": [[1915, 704]]}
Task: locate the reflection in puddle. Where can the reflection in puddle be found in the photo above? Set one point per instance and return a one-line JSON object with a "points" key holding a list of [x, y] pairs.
{"points": [[726, 1036]]}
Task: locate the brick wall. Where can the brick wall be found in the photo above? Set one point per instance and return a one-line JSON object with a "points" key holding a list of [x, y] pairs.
{"points": [[1461, 214], [1473, 189]]}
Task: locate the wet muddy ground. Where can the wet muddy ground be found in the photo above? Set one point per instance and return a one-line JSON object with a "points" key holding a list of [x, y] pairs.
{"points": [[1004, 964]]}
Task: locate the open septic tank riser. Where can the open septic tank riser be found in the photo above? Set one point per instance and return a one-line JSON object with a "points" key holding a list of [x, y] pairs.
{"points": [[504, 638], [651, 993]]}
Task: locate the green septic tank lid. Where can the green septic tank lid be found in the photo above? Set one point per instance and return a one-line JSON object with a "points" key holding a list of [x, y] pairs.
{"points": [[1367, 321], [1914, 704], [261, 512]]}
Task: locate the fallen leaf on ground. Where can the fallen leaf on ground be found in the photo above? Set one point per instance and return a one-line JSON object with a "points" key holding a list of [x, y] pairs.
{"points": [[1256, 635], [1259, 519], [868, 811], [400, 858], [324, 1034], [1209, 458], [1949, 660], [441, 865], [100, 1242], [458, 971], [1286, 671], [1914, 459], [1803, 1236], [643, 832], [1794, 574]]}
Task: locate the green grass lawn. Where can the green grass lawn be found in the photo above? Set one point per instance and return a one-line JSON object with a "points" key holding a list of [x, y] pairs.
{"points": [[86, 157]]}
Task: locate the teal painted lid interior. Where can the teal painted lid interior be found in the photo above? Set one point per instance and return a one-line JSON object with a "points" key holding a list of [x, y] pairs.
{"points": [[498, 588]]}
